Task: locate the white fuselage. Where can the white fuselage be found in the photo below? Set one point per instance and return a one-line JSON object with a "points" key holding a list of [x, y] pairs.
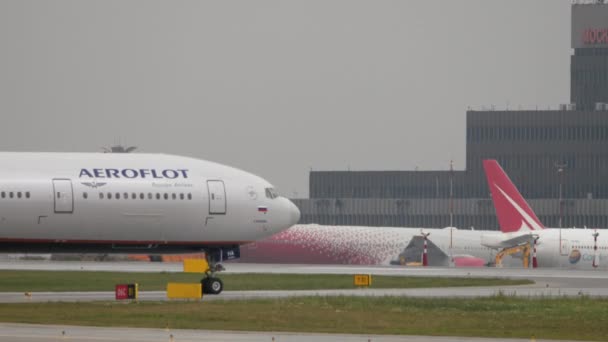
{"points": [[313, 243], [571, 248], [133, 200], [565, 248]]}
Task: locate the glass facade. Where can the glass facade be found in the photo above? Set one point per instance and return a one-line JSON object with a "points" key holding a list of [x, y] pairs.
{"points": [[533, 146], [589, 77], [435, 213]]}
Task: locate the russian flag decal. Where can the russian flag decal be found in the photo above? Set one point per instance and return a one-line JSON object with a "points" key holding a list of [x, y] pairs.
{"points": [[263, 209]]}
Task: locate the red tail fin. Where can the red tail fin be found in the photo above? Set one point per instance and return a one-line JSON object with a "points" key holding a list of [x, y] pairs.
{"points": [[512, 210]]}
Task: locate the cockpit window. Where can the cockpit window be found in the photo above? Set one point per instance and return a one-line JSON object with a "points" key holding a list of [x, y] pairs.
{"points": [[271, 193]]}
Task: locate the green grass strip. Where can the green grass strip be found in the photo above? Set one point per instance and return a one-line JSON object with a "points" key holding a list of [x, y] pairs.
{"points": [[28, 281], [503, 316]]}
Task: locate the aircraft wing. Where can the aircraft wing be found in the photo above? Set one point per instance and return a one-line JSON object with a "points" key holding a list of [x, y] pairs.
{"points": [[507, 240]]}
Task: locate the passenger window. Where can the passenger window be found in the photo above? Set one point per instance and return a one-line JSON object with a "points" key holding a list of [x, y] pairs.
{"points": [[166, 196], [149, 195], [157, 196], [3, 194], [141, 195], [126, 195], [181, 196], [133, 196], [109, 195], [19, 194], [173, 196], [189, 196], [84, 195], [118, 195], [27, 194], [101, 195]]}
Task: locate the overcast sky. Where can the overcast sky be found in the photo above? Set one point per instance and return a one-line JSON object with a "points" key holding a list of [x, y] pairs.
{"points": [[275, 87]]}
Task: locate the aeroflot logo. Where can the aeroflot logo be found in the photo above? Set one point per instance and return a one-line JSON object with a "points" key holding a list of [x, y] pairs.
{"points": [[595, 36], [134, 173]]}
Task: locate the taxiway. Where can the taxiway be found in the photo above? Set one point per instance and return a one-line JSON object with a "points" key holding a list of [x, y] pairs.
{"points": [[48, 333], [548, 282]]}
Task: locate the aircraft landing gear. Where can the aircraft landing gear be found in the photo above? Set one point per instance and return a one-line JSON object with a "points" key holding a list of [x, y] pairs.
{"points": [[215, 256], [211, 284]]}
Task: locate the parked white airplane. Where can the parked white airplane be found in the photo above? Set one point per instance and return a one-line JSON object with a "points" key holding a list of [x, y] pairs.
{"points": [[574, 248], [135, 203], [317, 244]]}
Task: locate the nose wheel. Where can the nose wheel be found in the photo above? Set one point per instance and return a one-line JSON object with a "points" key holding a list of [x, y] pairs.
{"points": [[215, 255], [211, 284]]}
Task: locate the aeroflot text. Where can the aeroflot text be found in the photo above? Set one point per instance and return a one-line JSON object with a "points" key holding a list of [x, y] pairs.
{"points": [[134, 173]]}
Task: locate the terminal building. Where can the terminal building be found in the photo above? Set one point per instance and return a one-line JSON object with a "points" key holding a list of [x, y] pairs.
{"points": [[557, 158]]}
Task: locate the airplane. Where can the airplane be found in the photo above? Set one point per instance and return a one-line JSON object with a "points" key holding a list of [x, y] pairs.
{"points": [[556, 247], [135, 203], [358, 245]]}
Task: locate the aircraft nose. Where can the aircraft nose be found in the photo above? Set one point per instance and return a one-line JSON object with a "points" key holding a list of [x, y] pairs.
{"points": [[294, 213]]}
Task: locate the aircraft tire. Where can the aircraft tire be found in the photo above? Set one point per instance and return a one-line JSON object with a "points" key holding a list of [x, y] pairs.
{"points": [[215, 285]]}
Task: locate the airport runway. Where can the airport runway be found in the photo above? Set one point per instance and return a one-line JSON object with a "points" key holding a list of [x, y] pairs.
{"points": [[445, 292], [48, 333], [549, 282], [552, 277], [308, 269]]}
